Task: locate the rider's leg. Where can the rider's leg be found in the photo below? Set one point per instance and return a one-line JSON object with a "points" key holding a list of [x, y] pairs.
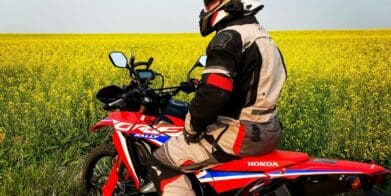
{"points": [[175, 157]]}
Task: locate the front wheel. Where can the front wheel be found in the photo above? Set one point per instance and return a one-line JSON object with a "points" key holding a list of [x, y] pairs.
{"points": [[97, 168]]}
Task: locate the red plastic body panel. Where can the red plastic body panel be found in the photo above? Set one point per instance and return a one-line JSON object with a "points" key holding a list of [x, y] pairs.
{"points": [[123, 121], [339, 166], [109, 187], [283, 164], [230, 175], [103, 123], [176, 121], [272, 161]]}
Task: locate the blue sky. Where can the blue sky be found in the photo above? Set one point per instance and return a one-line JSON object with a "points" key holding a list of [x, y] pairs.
{"points": [[119, 16]]}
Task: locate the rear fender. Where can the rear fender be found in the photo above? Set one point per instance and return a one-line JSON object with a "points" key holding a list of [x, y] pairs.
{"points": [[320, 176], [326, 166], [331, 176]]}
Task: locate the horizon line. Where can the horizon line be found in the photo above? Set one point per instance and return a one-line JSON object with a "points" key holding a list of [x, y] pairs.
{"points": [[155, 33]]}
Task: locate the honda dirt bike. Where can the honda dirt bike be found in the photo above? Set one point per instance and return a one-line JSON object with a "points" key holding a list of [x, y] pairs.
{"points": [[143, 118]]}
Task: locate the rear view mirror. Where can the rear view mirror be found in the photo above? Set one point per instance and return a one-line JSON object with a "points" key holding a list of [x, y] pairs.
{"points": [[202, 60], [119, 59]]}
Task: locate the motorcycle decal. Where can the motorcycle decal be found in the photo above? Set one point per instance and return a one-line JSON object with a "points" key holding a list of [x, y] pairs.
{"points": [[222, 181], [298, 172], [162, 139], [122, 149], [122, 126], [145, 136], [262, 164], [155, 142], [210, 175], [268, 162], [158, 130], [159, 141]]}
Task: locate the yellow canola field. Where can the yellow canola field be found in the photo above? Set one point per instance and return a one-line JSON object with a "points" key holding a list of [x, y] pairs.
{"points": [[336, 103]]}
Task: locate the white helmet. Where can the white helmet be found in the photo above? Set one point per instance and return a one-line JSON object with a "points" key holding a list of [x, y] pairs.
{"points": [[217, 11]]}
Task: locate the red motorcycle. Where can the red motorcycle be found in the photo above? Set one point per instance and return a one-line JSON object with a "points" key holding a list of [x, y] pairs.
{"points": [[143, 118]]}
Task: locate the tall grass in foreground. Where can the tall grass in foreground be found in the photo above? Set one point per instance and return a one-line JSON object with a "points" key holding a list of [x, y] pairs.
{"points": [[336, 102]]}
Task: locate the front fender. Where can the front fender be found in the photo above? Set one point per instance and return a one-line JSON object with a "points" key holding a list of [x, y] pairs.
{"points": [[107, 122]]}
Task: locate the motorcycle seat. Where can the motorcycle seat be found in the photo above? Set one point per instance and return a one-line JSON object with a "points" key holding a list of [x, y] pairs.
{"points": [[271, 161]]}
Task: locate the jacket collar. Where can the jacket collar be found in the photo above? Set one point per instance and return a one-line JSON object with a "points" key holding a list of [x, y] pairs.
{"points": [[238, 21]]}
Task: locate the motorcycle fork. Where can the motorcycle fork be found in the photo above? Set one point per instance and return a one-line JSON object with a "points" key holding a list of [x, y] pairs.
{"points": [[124, 163], [120, 171], [110, 185]]}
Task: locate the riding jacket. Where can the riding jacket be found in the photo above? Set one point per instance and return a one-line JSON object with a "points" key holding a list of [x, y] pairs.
{"points": [[243, 77]]}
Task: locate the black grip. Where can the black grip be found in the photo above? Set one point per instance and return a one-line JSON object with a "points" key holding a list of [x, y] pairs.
{"points": [[188, 87]]}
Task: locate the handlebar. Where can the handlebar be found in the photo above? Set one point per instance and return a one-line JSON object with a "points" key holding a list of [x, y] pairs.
{"points": [[150, 97], [138, 93]]}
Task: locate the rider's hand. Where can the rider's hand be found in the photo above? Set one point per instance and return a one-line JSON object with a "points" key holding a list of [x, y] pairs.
{"points": [[190, 86], [192, 137]]}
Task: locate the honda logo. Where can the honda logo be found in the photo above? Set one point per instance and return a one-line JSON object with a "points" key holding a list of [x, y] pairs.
{"points": [[262, 164]]}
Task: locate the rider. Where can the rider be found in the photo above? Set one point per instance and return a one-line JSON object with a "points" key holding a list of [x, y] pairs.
{"points": [[234, 111]]}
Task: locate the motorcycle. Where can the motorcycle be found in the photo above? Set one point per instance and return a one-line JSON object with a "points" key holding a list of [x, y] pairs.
{"points": [[143, 119]]}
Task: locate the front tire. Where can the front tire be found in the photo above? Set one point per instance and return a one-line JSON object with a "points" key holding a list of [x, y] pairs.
{"points": [[97, 168], [99, 164]]}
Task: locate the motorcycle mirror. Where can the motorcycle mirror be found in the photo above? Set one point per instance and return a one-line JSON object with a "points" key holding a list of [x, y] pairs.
{"points": [[131, 61], [202, 60], [119, 59]]}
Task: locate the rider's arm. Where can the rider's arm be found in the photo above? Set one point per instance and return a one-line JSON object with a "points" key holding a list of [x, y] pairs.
{"points": [[224, 54]]}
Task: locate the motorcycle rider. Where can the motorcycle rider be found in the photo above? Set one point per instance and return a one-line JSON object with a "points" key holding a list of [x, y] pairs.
{"points": [[234, 111]]}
